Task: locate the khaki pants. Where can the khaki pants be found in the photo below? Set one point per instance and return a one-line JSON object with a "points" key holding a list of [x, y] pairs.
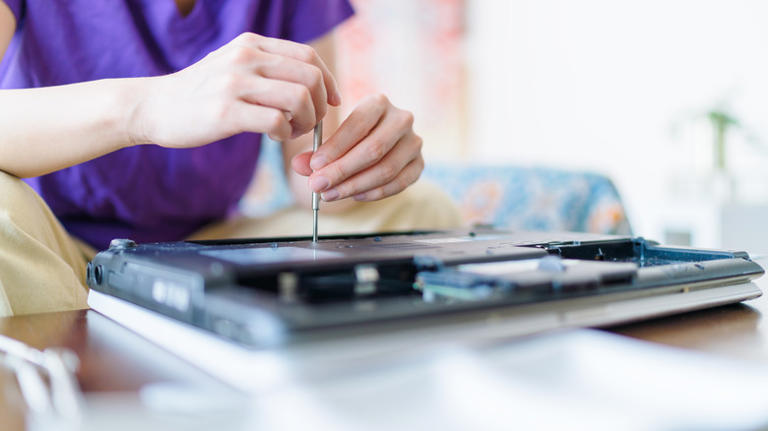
{"points": [[42, 268]]}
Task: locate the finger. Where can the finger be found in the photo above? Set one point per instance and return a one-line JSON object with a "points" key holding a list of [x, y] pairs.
{"points": [[309, 76], [365, 154], [245, 51], [306, 54], [408, 149], [300, 163], [408, 176], [246, 117], [285, 96], [354, 128], [296, 51]]}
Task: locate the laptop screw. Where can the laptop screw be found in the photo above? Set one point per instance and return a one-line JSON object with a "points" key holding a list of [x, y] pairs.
{"points": [[122, 243], [98, 274], [288, 284], [216, 269]]}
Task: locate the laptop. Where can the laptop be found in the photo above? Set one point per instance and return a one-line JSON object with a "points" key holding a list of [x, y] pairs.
{"points": [[262, 293]]}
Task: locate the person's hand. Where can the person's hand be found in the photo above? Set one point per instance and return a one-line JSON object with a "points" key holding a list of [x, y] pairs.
{"points": [[252, 84], [373, 154]]}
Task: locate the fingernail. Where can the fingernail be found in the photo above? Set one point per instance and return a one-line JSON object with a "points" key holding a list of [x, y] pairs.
{"points": [[330, 195], [318, 184], [359, 197], [317, 162]]}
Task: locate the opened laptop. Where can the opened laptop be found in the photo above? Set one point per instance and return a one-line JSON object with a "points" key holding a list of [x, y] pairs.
{"points": [[260, 293]]}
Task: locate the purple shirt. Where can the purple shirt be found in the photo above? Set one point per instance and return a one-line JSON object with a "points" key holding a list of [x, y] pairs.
{"points": [[147, 193]]}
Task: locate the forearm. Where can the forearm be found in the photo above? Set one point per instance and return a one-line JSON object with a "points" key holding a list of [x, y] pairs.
{"points": [[247, 85], [46, 129]]}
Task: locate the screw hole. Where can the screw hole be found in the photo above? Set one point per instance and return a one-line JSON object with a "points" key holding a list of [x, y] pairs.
{"points": [[98, 274]]}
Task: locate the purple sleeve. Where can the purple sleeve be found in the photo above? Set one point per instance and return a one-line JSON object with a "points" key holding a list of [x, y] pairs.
{"points": [[16, 7], [312, 19]]}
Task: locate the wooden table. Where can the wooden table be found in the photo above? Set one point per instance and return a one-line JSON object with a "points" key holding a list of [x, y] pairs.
{"points": [[114, 359]]}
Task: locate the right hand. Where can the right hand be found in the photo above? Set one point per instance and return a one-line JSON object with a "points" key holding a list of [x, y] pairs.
{"points": [[251, 84]]}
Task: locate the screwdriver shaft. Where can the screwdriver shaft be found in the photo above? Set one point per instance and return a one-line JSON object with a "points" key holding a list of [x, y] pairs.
{"points": [[318, 139]]}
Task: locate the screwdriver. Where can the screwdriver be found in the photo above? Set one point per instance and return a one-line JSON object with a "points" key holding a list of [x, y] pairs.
{"points": [[318, 139]]}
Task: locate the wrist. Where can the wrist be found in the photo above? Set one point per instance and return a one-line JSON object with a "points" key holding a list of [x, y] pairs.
{"points": [[133, 100]]}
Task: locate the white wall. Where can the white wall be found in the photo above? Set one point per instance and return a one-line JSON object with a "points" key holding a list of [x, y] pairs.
{"points": [[617, 86]]}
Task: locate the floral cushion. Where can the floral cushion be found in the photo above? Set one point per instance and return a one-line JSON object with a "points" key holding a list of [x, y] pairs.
{"points": [[533, 198]]}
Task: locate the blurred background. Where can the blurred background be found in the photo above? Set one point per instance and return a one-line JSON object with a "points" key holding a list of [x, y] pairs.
{"points": [[649, 117], [669, 99]]}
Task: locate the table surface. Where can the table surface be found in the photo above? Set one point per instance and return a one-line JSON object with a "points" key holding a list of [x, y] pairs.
{"points": [[114, 359]]}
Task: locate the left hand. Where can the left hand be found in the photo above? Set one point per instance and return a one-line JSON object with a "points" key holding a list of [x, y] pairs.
{"points": [[373, 154]]}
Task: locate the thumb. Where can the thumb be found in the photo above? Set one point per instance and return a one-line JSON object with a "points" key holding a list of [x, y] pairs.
{"points": [[300, 163]]}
